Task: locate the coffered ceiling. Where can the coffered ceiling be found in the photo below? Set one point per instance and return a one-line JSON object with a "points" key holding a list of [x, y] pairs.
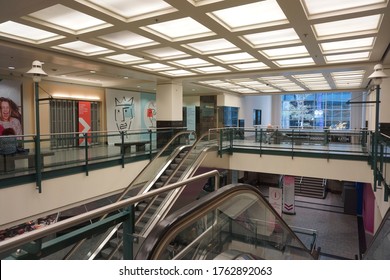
{"points": [[245, 47]]}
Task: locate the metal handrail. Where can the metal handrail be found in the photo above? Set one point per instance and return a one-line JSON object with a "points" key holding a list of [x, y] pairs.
{"points": [[127, 189], [17, 241]]}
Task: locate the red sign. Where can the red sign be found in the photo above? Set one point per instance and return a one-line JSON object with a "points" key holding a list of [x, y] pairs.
{"points": [[84, 121]]}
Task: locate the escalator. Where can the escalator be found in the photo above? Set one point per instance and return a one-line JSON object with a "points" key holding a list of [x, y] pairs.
{"points": [[234, 222], [179, 165]]}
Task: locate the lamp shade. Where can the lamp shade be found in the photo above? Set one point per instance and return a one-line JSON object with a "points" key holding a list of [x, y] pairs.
{"points": [[37, 71], [378, 74]]}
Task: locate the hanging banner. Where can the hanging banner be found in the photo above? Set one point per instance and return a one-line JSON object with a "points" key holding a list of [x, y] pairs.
{"points": [[275, 199], [288, 195], [84, 122]]}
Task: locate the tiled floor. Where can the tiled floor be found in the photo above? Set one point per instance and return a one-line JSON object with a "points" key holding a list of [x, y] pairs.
{"points": [[337, 233]]}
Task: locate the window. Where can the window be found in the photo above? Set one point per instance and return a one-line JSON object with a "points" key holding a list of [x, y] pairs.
{"points": [[316, 111]]}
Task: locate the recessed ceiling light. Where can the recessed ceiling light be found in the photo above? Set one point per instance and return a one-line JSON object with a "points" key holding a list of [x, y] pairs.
{"points": [[26, 33], [348, 27], [179, 29], [11, 67], [261, 13], [128, 10], [67, 19]]}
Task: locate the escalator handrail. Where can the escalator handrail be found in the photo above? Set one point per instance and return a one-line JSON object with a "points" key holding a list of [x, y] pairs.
{"points": [[206, 134], [17, 241], [178, 220], [129, 187]]}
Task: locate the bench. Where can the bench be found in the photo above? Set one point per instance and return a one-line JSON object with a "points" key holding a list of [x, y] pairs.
{"points": [[139, 146], [7, 162]]}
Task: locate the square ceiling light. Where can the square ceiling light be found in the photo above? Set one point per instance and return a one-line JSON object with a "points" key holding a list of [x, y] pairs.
{"points": [[212, 46], [348, 27], [166, 53], [255, 15], [295, 62], [127, 40], [191, 62], [155, 67], [211, 70], [82, 48], [288, 52], [351, 45], [178, 73], [359, 56], [250, 66], [124, 59], [234, 58], [336, 7], [67, 19], [130, 10], [272, 38], [179, 29], [26, 33]]}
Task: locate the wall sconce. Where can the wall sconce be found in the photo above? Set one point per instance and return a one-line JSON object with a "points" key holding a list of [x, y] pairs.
{"points": [[37, 73]]}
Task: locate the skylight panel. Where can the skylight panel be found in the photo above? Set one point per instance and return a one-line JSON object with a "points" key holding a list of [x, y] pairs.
{"points": [[155, 67], [272, 38], [362, 25], [348, 57], [191, 62], [285, 52], [128, 10], [82, 48], [166, 53], [355, 44], [211, 70], [177, 73], [127, 40], [315, 7], [124, 58], [212, 46], [295, 62], [259, 14], [26, 33], [234, 58], [67, 19], [250, 66], [179, 29]]}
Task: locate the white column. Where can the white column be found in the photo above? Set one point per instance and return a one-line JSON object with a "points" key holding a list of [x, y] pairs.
{"points": [[169, 102]]}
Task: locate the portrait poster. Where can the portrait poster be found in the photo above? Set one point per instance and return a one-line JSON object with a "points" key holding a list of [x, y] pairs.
{"points": [[11, 108], [123, 114]]}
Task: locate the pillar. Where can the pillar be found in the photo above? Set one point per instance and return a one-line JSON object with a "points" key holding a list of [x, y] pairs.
{"points": [[169, 103]]}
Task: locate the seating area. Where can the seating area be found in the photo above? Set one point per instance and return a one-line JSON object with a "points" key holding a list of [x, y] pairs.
{"points": [[7, 162], [126, 146]]}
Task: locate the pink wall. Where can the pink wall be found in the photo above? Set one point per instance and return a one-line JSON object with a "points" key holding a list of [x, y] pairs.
{"points": [[368, 208]]}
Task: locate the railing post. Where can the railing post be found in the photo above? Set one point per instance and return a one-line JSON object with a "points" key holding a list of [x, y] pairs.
{"points": [[128, 235], [326, 137], [38, 167], [150, 144], [123, 148], [85, 136]]}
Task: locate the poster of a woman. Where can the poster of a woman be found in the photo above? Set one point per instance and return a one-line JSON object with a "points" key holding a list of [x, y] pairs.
{"points": [[10, 104]]}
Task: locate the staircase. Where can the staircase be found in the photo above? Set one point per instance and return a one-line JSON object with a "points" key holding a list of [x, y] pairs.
{"points": [[310, 187]]}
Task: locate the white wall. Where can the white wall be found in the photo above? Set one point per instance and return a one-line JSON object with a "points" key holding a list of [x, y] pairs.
{"points": [[263, 103], [23, 202]]}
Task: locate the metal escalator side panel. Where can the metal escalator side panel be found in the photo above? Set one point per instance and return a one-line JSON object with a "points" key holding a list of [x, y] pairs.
{"points": [[172, 196], [237, 215]]}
